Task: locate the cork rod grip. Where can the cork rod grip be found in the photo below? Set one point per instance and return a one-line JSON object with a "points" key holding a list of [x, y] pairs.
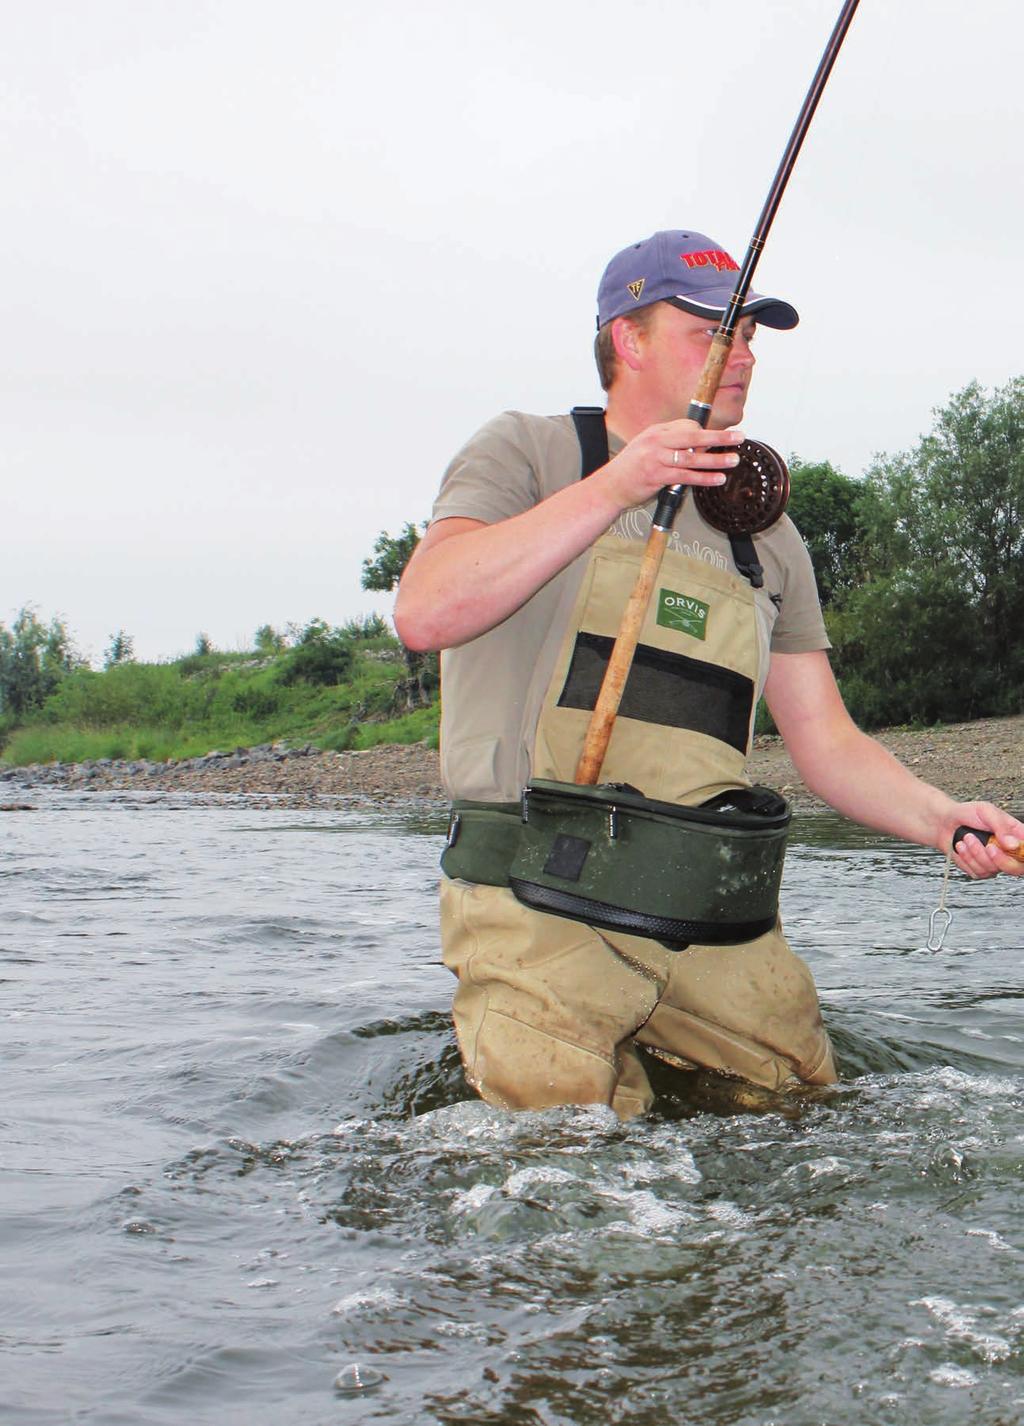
{"points": [[711, 376], [602, 720]]}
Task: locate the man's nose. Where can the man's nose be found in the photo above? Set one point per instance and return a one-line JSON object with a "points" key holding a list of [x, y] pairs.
{"points": [[741, 353]]}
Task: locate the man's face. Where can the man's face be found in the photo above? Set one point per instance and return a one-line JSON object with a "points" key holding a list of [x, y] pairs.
{"points": [[676, 345]]}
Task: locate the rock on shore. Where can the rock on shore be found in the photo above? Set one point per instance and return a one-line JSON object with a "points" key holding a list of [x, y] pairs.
{"points": [[983, 759], [297, 776]]}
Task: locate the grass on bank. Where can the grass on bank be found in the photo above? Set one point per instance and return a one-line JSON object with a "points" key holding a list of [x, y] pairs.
{"points": [[221, 701]]}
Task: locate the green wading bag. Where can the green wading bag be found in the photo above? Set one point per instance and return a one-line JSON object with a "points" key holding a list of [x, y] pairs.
{"points": [[615, 859]]}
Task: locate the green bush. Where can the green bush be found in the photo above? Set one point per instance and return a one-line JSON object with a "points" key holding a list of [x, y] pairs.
{"points": [[256, 702], [329, 688], [421, 726], [368, 628], [323, 657], [129, 693]]}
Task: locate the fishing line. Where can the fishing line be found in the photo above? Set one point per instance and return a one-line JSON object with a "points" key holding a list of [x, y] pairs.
{"points": [[941, 918], [763, 485]]}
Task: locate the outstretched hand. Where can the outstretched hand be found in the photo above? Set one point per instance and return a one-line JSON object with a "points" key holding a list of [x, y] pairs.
{"points": [[1002, 852]]}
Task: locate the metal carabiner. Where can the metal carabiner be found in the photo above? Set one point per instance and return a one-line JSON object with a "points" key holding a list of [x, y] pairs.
{"points": [[939, 923], [940, 920]]}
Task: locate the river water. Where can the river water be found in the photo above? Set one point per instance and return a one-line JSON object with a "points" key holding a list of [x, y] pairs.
{"points": [[240, 1163]]}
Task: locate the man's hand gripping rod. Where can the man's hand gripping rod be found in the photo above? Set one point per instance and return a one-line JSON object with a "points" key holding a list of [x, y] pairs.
{"points": [[670, 498]]}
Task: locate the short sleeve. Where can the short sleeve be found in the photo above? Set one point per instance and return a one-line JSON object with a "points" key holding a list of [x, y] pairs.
{"points": [[800, 627], [492, 477]]}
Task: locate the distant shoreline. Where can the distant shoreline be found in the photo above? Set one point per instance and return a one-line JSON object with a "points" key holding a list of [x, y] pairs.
{"points": [[982, 759]]}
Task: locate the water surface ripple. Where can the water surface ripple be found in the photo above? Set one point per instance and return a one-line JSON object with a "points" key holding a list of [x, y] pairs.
{"points": [[241, 1164]]}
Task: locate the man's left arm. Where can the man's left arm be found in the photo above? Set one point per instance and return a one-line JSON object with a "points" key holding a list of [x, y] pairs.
{"points": [[859, 778]]}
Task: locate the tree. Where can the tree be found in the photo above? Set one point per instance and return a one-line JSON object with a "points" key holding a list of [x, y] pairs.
{"points": [[826, 507], [269, 641], [903, 652], [938, 625], [34, 657], [204, 645], [121, 649], [391, 554]]}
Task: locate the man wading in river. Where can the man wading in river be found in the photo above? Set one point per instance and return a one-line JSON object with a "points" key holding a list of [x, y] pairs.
{"points": [[523, 572]]}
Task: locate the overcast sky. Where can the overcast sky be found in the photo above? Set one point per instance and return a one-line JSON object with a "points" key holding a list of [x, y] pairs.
{"points": [[266, 266]]}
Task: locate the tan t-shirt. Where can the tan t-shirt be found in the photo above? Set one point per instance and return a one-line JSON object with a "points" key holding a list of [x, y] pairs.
{"points": [[488, 718]]}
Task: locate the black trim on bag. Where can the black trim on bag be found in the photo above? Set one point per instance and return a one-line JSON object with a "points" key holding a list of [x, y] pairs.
{"points": [[637, 923], [665, 688]]}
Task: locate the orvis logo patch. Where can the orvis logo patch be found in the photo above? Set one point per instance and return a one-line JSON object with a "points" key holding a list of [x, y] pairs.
{"points": [[679, 611]]}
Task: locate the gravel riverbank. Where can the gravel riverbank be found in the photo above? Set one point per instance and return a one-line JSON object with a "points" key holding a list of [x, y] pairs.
{"points": [[983, 759]]}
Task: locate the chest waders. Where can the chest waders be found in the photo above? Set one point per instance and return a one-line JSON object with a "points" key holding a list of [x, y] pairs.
{"points": [[702, 862]]}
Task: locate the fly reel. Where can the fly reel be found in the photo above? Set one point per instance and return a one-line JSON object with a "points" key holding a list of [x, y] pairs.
{"points": [[754, 495]]}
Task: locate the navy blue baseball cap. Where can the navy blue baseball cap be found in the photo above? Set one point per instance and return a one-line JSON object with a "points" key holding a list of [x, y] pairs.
{"points": [[691, 271]]}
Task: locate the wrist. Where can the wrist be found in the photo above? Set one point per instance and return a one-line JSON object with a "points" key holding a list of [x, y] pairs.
{"points": [[607, 500], [946, 817]]}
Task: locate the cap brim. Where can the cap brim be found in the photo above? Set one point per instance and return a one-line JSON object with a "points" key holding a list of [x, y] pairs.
{"points": [[769, 311]]}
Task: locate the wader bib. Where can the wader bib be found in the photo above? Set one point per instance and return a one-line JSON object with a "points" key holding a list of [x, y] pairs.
{"points": [[622, 856], [547, 1008]]}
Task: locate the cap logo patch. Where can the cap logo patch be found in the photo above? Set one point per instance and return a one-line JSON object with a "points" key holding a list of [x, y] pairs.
{"points": [[636, 288], [712, 257]]}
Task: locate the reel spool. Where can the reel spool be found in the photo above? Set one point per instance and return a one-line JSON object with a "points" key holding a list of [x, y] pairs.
{"points": [[754, 495]]}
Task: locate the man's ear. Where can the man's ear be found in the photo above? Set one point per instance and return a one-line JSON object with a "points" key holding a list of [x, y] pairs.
{"points": [[628, 340]]}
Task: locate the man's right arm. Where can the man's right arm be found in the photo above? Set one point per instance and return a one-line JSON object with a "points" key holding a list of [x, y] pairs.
{"points": [[466, 576]]}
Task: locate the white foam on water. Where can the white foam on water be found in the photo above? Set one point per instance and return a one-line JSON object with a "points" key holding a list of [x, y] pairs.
{"points": [[730, 1214], [473, 1120], [649, 1215], [972, 1085], [349, 1127], [950, 1375], [468, 1200], [525, 1179], [827, 1167], [462, 1329], [370, 1300], [961, 1324], [994, 1240], [666, 1156], [470, 1121]]}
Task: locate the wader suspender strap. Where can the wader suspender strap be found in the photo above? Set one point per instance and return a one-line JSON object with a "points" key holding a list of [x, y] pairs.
{"points": [[746, 560], [592, 435], [593, 438]]}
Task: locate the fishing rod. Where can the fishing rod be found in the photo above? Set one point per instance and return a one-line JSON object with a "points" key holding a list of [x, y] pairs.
{"points": [[755, 492]]}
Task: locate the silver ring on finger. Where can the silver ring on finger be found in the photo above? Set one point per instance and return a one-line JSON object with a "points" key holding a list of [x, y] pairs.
{"points": [[675, 457]]}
